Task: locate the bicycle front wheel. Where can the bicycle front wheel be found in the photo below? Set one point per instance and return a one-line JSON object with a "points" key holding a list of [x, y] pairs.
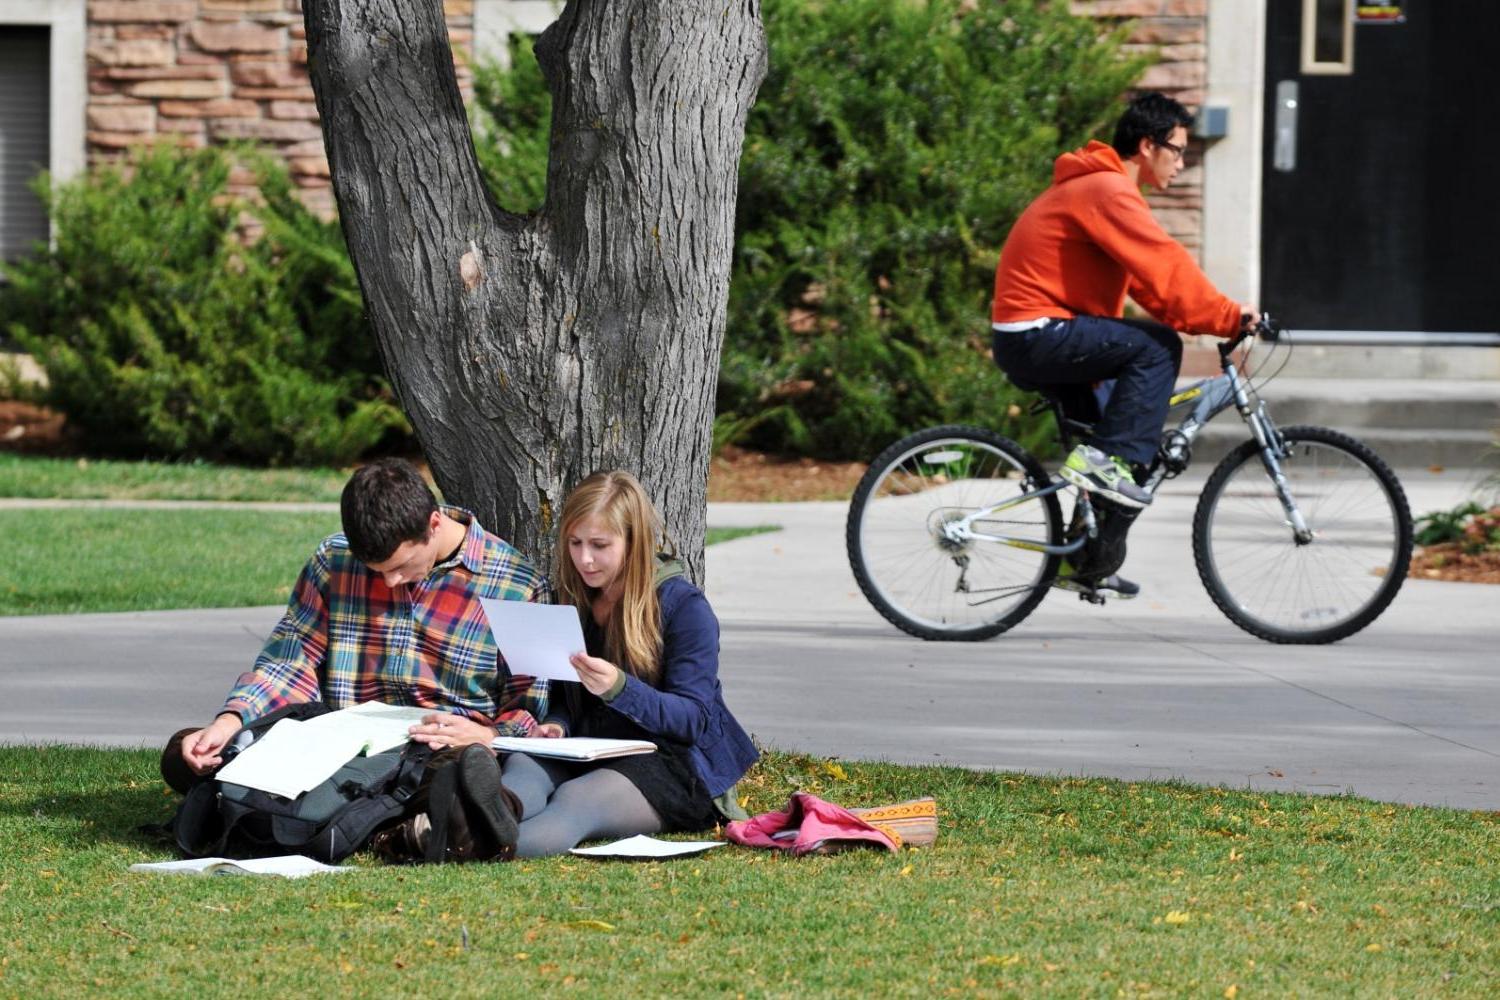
{"points": [[922, 580], [1322, 590]]}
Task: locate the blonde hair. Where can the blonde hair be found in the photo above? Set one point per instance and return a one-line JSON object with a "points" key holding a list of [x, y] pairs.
{"points": [[632, 636]]}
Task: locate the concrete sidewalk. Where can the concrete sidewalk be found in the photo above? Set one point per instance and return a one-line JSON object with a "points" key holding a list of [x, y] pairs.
{"points": [[1163, 687]]}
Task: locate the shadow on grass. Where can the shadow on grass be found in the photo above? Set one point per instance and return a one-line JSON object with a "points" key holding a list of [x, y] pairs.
{"points": [[82, 796]]}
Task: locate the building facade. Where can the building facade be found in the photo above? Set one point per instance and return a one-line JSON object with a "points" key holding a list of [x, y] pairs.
{"points": [[1333, 177]]}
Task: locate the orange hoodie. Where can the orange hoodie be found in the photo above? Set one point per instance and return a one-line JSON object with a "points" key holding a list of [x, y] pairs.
{"points": [[1087, 241]]}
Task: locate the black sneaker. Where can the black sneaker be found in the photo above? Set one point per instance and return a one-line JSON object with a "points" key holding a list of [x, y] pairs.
{"points": [[1114, 585]]}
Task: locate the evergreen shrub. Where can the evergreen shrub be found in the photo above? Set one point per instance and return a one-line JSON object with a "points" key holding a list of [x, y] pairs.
{"points": [[890, 149], [165, 332]]}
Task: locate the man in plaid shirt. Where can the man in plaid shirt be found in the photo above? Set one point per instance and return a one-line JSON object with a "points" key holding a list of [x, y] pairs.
{"points": [[388, 611]]}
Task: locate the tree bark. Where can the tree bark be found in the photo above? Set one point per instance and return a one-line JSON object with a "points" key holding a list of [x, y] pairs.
{"points": [[529, 351]]}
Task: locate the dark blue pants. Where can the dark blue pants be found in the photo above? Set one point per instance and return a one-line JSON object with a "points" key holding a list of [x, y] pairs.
{"points": [[1067, 358]]}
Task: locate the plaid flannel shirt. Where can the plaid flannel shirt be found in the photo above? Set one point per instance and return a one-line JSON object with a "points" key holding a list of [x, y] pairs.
{"points": [[347, 638]]}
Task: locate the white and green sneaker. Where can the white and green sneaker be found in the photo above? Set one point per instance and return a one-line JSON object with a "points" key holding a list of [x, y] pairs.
{"points": [[1090, 469]]}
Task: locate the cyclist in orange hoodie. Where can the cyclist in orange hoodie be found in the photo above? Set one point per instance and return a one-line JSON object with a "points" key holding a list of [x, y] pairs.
{"points": [[1067, 265]]}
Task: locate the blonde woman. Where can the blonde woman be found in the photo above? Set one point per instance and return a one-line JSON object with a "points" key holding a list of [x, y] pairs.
{"points": [[651, 671]]}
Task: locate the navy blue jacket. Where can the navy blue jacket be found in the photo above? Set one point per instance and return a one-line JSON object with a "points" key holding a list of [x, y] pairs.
{"points": [[688, 708]]}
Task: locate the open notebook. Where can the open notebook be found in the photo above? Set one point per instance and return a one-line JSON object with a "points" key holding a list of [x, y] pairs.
{"points": [[572, 747]]}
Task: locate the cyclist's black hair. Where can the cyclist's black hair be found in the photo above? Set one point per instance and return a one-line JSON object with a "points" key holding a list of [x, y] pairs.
{"points": [[383, 505], [1150, 116]]}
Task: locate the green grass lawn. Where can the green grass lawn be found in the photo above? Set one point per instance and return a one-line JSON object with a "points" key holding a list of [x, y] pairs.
{"points": [[1036, 887], [72, 478], [66, 561]]}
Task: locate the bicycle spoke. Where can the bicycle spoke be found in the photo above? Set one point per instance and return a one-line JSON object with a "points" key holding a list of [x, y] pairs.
{"points": [[908, 544], [1323, 586]]}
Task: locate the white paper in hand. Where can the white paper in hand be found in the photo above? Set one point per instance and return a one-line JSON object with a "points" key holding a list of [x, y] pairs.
{"points": [[535, 639]]}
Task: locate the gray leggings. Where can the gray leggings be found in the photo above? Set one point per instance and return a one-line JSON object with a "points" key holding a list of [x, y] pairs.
{"points": [[561, 807]]}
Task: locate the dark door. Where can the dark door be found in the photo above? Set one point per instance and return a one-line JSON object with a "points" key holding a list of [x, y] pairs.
{"points": [[1386, 214], [23, 137]]}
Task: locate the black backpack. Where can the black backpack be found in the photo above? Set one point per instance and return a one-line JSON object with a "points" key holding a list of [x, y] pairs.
{"points": [[328, 822]]}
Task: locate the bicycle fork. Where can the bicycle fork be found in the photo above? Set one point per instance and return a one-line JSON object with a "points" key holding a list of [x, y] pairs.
{"points": [[1272, 451]]}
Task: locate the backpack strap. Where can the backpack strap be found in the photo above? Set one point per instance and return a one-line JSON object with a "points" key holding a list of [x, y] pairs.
{"points": [[351, 828], [197, 828]]}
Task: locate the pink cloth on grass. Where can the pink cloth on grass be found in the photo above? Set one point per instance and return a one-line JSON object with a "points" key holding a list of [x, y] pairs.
{"points": [[808, 824]]}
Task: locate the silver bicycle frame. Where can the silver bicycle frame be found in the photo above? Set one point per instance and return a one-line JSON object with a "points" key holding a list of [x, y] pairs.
{"points": [[962, 530], [1214, 396]]}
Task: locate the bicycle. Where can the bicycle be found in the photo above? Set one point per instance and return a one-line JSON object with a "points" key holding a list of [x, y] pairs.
{"points": [[957, 533]]}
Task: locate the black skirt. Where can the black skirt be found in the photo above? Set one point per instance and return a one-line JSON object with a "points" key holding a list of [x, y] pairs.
{"points": [[666, 779]]}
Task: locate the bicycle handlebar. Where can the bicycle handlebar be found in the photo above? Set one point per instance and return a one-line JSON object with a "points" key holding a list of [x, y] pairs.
{"points": [[1262, 326]]}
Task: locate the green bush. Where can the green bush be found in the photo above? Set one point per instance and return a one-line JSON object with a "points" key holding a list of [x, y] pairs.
{"points": [[165, 332], [890, 149]]}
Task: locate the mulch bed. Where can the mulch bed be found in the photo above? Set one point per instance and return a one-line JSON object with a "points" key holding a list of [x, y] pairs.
{"points": [[33, 430], [1449, 562], [739, 475]]}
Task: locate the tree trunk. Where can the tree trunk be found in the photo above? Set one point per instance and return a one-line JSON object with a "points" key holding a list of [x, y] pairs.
{"points": [[530, 351]]}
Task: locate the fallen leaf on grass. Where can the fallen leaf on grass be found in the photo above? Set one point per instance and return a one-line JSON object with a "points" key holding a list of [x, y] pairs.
{"points": [[588, 925], [1373, 947], [1001, 960], [1177, 917], [1231, 991], [904, 872]]}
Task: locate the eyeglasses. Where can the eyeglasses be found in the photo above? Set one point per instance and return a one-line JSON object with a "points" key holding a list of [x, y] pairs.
{"points": [[1177, 150]]}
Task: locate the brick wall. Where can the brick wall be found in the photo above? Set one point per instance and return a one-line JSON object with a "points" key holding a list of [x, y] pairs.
{"points": [[201, 71], [1177, 30]]}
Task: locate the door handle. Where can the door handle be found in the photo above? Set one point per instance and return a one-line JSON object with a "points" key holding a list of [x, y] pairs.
{"points": [[1284, 153]]}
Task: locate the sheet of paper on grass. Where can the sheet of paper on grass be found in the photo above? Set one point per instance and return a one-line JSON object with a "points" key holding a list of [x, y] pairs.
{"points": [[286, 866], [295, 755], [641, 846], [535, 639], [572, 747]]}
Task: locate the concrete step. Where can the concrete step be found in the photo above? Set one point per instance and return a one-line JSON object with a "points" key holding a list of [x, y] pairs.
{"points": [[1400, 448], [1346, 361], [1408, 422]]}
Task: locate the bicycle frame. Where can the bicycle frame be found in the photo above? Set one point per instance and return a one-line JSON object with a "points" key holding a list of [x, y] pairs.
{"points": [[1214, 396], [962, 530]]}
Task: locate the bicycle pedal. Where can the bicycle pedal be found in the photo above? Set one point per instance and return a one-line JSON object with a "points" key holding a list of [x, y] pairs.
{"points": [[1092, 597]]}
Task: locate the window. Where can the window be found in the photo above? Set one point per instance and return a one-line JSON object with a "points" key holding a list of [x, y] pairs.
{"points": [[24, 136], [1328, 37]]}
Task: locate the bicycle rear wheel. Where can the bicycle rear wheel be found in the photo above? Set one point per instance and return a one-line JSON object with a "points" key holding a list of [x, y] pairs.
{"points": [[1326, 589], [924, 583]]}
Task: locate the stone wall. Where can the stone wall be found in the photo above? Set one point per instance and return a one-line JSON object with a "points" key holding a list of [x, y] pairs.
{"points": [[1177, 30], [202, 71]]}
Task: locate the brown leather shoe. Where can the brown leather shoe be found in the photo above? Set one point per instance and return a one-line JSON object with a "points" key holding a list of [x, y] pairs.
{"points": [[405, 843]]}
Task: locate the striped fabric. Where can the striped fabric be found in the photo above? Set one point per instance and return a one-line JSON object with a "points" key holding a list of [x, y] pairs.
{"points": [[912, 823], [347, 638]]}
